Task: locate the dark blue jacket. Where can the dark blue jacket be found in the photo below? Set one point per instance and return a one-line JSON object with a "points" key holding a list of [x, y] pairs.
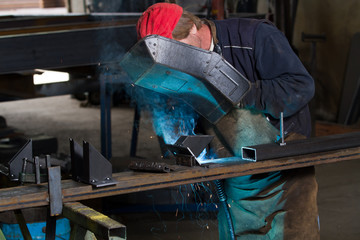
{"points": [[279, 81]]}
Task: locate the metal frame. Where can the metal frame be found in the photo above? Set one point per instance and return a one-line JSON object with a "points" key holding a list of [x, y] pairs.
{"points": [[300, 147]]}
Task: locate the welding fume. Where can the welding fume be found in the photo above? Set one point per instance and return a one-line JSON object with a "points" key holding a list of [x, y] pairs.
{"points": [[231, 79]]}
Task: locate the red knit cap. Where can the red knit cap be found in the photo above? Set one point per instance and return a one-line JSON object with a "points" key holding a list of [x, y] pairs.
{"points": [[159, 19]]}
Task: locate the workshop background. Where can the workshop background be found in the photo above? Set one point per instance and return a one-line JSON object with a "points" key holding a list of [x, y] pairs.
{"points": [[325, 34]]}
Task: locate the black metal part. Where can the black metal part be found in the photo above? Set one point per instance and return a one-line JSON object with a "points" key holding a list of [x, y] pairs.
{"points": [[186, 160], [53, 50], [300, 147], [55, 194], [50, 232], [90, 166], [105, 102], [187, 148], [135, 131], [76, 153], [203, 79], [99, 169], [22, 224], [140, 165], [190, 145], [15, 165], [25, 168]]}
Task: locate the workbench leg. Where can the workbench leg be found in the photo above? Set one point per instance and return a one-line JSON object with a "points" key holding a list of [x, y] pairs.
{"points": [[105, 104], [135, 131], [50, 227], [22, 224]]}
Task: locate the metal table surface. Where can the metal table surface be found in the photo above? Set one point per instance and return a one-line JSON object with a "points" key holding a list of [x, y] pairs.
{"points": [[130, 182]]}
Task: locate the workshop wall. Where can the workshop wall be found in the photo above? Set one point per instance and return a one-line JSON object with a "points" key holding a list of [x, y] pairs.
{"points": [[339, 21]]}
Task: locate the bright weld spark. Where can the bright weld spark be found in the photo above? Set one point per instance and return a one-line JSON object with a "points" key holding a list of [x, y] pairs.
{"points": [[177, 210], [229, 205]]}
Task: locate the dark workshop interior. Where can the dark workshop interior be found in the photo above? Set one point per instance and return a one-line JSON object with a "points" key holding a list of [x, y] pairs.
{"points": [[68, 105]]}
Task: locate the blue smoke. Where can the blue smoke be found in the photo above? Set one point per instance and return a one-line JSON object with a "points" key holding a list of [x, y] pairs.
{"points": [[171, 118]]}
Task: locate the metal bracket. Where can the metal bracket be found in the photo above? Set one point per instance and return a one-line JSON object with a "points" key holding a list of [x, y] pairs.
{"points": [[16, 164], [187, 148], [24, 167], [89, 166]]}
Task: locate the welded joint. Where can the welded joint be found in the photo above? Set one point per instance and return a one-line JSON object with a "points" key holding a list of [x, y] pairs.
{"points": [[99, 224]]}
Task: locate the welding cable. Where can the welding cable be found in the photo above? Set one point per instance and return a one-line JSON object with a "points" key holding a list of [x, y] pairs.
{"points": [[222, 197]]}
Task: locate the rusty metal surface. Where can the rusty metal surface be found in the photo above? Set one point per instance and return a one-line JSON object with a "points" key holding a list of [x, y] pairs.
{"points": [[129, 182], [55, 196], [101, 225], [146, 166]]}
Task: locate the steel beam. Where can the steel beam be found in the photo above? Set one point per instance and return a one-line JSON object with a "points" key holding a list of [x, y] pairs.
{"points": [[300, 147], [130, 182], [67, 48], [99, 224]]}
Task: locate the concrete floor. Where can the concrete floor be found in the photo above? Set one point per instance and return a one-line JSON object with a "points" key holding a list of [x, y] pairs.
{"points": [[63, 117]]}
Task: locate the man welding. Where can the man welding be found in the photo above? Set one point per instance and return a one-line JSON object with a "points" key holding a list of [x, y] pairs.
{"points": [[276, 205]]}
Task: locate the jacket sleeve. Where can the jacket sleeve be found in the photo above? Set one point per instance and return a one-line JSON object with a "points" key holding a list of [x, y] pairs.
{"points": [[283, 83]]}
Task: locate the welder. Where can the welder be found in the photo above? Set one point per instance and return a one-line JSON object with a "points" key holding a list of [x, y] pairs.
{"points": [[276, 205]]}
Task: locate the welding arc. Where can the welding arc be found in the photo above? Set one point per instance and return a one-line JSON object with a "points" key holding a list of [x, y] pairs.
{"points": [[222, 198]]}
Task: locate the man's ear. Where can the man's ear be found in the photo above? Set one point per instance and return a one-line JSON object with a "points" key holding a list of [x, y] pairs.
{"points": [[193, 30]]}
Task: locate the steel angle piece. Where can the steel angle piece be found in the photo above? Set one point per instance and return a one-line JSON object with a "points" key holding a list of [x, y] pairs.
{"points": [[187, 149]]}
